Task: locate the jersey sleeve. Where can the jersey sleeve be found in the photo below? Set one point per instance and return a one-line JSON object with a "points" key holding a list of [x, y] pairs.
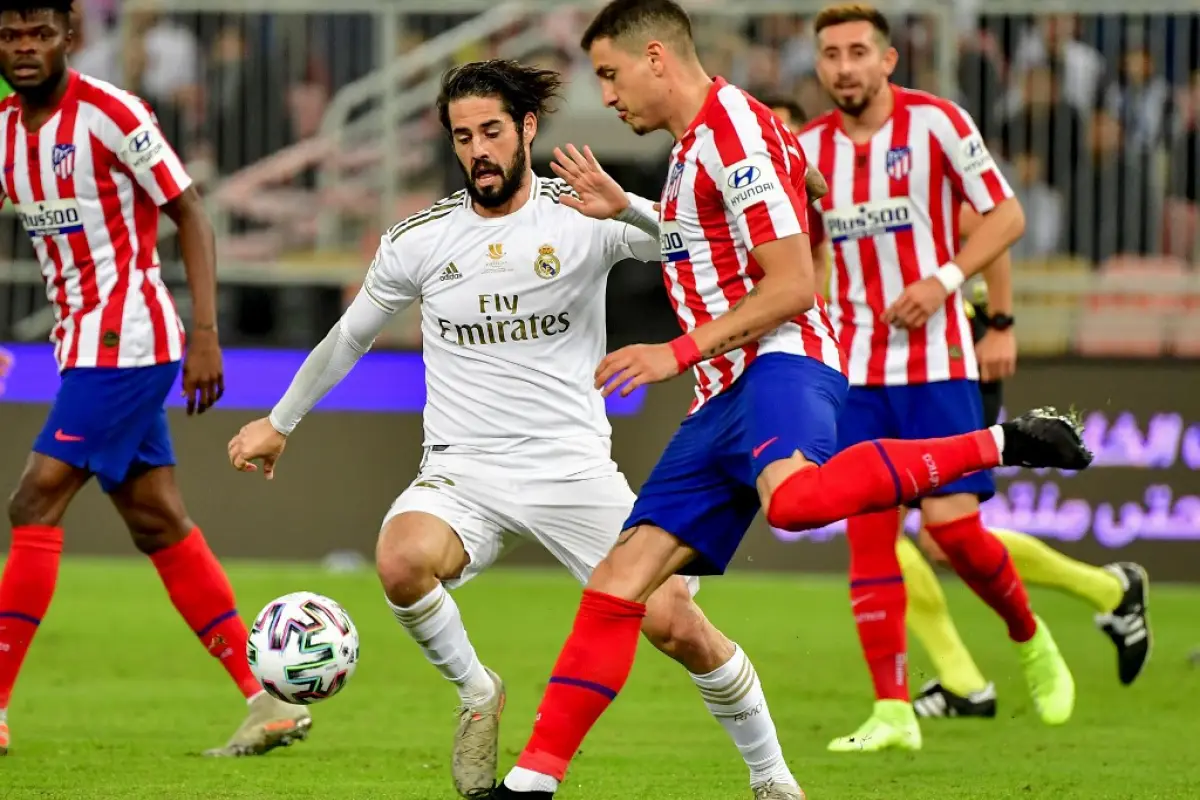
{"points": [[133, 134], [970, 166], [635, 233], [754, 171], [390, 284]]}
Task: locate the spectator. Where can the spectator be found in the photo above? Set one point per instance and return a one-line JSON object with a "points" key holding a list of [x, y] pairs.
{"points": [[1140, 99], [1115, 201], [1046, 124], [1043, 205], [1053, 38], [1183, 190]]}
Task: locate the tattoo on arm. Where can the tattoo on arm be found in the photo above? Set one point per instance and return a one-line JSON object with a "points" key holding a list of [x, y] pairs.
{"points": [[737, 339]]}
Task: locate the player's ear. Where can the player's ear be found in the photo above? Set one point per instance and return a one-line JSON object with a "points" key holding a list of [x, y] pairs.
{"points": [[656, 55], [530, 126], [890, 59]]}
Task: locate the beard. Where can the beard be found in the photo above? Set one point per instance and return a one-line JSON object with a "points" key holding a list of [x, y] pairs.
{"points": [[855, 107], [40, 93], [498, 194]]}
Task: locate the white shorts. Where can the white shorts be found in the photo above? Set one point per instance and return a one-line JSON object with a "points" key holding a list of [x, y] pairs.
{"points": [[578, 521]]}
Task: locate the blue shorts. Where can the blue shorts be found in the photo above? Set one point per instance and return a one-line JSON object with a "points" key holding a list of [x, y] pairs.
{"points": [[109, 420], [702, 490], [918, 411]]}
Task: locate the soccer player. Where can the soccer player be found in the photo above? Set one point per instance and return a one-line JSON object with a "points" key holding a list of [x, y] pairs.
{"points": [[510, 275], [1117, 591], [899, 165], [763, 429], [87, 170]]}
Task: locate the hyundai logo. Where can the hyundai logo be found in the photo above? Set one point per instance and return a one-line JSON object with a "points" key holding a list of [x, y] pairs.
{"points": [[141, 141], [743, 177]]}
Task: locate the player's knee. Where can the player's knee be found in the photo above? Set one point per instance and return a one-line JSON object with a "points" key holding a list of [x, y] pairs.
{"points": [[153, 530], [411, 559]]}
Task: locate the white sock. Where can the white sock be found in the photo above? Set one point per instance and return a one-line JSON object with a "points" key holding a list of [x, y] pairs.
{"points": [[735, 697], [250, 700], [520, 779], [998, 434], [436, 625], [3, 715]]}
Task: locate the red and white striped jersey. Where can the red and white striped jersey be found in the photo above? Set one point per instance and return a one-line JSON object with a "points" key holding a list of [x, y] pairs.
{"points": [[891, 218], [87, 186], [736, 181]]}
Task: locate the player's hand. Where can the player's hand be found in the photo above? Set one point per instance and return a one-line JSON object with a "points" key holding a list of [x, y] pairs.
{"points": [[997, 355], [600, 197], [917, 304], [257, 441], [203, 372], [636, 365]]}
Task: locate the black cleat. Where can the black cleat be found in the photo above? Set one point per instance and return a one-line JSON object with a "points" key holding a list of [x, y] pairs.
{"points": [[1044, 437], [502, 792], [1127, 624], [936, 700]]}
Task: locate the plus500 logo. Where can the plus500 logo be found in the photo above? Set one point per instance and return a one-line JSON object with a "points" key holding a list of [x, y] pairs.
{"points": [[868, 219], [51, 218]]}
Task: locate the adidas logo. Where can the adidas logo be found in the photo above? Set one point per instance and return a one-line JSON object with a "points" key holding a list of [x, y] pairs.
{"points": [[450, 273]]}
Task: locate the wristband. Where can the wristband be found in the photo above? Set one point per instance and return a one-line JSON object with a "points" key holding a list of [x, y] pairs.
{"points": [[950, 276], [687, 354]]}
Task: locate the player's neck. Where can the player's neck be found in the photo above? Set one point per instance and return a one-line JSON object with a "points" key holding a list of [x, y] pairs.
{"points": [[687, 99], [514, 204], [873, 117], [40, 104]]}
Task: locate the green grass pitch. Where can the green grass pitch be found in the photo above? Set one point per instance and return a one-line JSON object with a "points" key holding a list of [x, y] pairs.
{"points": [[117, 698]]}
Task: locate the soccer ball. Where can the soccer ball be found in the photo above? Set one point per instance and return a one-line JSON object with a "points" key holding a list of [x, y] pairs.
{"points": [[303, 648]]}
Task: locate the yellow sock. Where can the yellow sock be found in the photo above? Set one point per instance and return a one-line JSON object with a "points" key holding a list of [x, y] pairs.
{"points": [[929, 619], [1041, 565]]}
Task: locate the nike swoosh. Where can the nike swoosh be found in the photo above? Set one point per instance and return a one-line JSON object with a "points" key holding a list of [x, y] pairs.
{"points": [[758, 450], [857, 600], [66, 437]]}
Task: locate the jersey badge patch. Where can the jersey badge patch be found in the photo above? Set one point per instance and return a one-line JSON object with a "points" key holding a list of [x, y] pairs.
{"points": [[547, 265]]}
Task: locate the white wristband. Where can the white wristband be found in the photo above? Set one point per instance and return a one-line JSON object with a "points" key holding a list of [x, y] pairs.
{"points": [[950, 276]]}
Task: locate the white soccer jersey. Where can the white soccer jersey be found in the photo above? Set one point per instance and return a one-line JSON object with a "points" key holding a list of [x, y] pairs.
{"points": [[87, 186], [513, 324]]}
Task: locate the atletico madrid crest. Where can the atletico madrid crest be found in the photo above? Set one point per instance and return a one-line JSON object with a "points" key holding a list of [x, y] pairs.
{"points": [[63, 159], [899, 162]]}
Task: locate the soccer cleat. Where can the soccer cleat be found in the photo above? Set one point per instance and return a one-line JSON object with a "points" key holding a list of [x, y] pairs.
{"points": [[1049, 678], [477, 743], [894, 724], [773, 790], [1044, 437], [271, 723], [502, 792], [1127, 624], [936, 700], [3, 738]]}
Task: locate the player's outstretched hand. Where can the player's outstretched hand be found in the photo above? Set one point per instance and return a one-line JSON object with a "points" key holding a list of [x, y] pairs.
{"points": [[600, 197], [917, 304], [997, 355], [203, 373], [636, 365], [257, 441]]}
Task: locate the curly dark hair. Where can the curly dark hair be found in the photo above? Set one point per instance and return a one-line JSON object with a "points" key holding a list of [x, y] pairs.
{"points": [[520, 89], [24, 7]]}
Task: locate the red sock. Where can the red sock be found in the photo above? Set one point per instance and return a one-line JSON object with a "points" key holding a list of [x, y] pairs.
{"points": [[591, 670], [982, 561], [201, 593], [25, 591], [879, 601], [875, 476]]}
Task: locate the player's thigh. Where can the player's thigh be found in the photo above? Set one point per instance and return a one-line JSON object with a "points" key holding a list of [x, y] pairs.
{"points": [[440, 525], [692, 495], [790, 420], [150, 503], [44, 490], [935, 410]]}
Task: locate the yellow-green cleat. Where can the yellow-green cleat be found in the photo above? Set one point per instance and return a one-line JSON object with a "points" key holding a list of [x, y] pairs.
{"points": [[271, 723], [892, 725], [1050, 683]]}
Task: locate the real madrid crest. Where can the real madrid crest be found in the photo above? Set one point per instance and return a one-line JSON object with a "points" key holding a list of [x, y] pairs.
{"points": [[547, 265]]}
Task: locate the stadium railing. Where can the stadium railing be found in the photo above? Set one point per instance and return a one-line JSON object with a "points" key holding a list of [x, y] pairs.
{"points": [[1100, 143]]}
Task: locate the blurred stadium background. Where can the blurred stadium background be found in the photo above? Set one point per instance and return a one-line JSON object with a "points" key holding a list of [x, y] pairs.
{"points": [[309, 127]]}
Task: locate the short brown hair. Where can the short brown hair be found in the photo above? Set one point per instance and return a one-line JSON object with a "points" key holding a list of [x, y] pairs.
{"points": [[656, 19], [853, 12]]}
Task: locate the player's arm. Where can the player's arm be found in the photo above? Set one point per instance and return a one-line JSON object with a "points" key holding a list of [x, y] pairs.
{"points": [[385, 291], [997, 350], [978, 181]]}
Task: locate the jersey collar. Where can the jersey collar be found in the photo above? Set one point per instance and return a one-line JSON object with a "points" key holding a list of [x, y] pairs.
{"points": [[898, 101], [67, 97]]}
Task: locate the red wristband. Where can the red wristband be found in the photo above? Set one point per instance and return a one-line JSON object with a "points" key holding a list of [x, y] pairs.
{"points": [[687, 354]]}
